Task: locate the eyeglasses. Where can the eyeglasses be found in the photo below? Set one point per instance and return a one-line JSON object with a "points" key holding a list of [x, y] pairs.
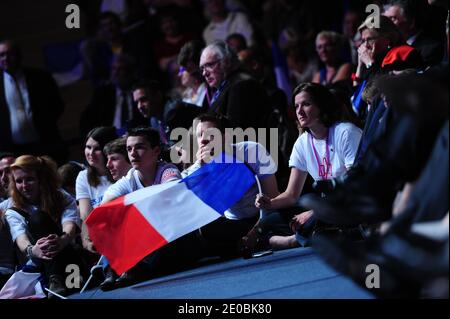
{"points": [[369, 40], [209, 66]]}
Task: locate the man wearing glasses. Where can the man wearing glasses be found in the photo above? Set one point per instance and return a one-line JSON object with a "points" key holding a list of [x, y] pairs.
{"points": [[238, 97]]}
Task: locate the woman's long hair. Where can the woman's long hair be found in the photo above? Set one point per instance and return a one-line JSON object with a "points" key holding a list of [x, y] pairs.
{"points": [[102, 135], [50, 197], [331, 110]]}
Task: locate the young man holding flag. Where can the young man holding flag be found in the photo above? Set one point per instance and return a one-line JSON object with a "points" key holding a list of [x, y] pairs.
{"points": [[163, 225]]}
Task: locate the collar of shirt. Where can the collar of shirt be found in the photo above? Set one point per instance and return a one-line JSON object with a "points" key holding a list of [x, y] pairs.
{"points": [[413, 38]]}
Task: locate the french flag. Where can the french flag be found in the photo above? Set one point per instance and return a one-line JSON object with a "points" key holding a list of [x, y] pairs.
{"points": [[131, 227]]}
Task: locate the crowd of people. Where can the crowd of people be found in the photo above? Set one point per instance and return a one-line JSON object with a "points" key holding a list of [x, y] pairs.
{"points": [[361, 107]]}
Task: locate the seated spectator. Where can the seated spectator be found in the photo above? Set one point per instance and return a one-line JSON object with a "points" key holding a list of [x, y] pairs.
{"points": [[150, 101], [326, 149], [118, 165], [92, 182], [409, 16], [196, 90], [222, 236], [224, 23], [43, 219], [112, 102], [30, 106], [6, 159], [117, 160], [377, 44], [160, 112], [143, 147], [329, 47], [395, 156], [237, 42], [238, 97], [7, 252]]}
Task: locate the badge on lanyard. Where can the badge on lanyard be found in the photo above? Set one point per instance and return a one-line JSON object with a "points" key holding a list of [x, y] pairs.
{"points": [[324, 166]]}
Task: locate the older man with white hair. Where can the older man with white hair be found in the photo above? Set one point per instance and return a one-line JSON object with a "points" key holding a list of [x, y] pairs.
{"points": [[238, 97]]}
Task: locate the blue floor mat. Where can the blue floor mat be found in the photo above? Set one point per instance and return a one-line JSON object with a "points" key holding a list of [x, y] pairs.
{"points": [[290, 274]]}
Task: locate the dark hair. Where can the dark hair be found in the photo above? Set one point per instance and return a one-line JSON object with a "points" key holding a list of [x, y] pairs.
{"points": [[239, 37], [118, 146], [219, 122], [331, 110], [148, 86], [150, 134], [190, 52], [101, 135], [68, 174]]}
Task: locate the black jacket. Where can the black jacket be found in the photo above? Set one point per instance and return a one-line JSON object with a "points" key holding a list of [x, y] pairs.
{"points": [[46, 105], [243, 102]]}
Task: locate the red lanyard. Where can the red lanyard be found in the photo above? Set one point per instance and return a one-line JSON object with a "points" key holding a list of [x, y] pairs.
{"points": [[325, 169]]}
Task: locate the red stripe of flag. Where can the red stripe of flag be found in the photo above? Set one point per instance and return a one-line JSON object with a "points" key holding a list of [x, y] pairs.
{"points": [[122, 234]]}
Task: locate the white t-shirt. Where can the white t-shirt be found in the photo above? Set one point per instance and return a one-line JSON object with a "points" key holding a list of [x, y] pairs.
{"points": [[18, 225], [236, 22], [342, 146], [4, 206], [131, 181], [189, 97], [85, 191], [262, 164]]}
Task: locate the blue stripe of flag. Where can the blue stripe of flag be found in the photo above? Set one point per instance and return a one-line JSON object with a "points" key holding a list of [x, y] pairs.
{"points": [[220, 185]]}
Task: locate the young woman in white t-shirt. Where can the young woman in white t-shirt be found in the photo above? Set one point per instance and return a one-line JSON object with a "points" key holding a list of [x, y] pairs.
{"points": [[92, 182], [42, 218], [325, 150]]}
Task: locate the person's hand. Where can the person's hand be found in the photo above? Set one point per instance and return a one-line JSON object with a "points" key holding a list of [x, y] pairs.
{"points": [[52, 245], [299, 220], [89, 245], [263, 202], [205, 154], [44, 248], [366, 55]]}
